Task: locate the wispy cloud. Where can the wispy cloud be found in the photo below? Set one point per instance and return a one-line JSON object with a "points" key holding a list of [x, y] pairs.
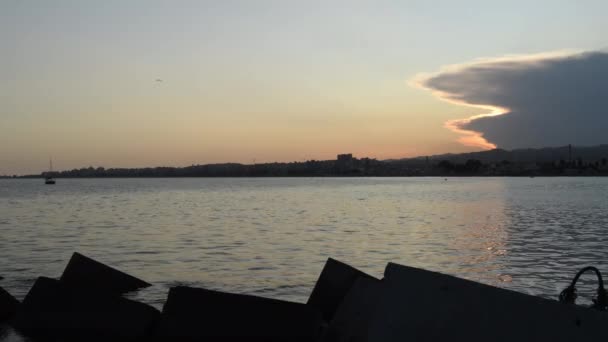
{"points": [[535, 100]]}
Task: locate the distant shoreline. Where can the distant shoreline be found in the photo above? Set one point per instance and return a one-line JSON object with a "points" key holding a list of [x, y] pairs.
{"points": [[545, 162], [287, 177]]}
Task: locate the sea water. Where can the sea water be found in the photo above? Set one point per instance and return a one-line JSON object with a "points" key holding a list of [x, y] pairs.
{"points": [[271, 236]]}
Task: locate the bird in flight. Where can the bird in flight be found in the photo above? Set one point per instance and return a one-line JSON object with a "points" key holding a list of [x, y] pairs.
{"points": [[158, 80]]}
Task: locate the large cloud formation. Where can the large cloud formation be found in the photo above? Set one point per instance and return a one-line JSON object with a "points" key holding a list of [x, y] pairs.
{"points": [[529, 101]]}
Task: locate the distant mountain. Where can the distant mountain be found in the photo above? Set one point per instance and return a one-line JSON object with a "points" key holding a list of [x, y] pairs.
{"points": [[549, 161], [529, 155]]}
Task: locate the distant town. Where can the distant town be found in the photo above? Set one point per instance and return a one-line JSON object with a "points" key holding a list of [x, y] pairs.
{"points": [[555, 161]]}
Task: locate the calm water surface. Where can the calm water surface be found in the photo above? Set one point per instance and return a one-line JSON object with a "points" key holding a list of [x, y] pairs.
{"points": [[271, 236]]}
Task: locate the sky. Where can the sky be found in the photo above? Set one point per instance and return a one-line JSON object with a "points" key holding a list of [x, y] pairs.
{"points": [[175, 83]]}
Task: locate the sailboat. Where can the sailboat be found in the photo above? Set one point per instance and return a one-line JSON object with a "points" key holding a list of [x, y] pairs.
{"points": [[49, 176]]}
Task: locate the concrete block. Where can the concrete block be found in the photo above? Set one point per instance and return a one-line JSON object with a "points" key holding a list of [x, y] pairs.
{"points": [[192, 314], [419, 305], [84, 272], [333, 284], [53, 310], [352, 318], [8, 305]]}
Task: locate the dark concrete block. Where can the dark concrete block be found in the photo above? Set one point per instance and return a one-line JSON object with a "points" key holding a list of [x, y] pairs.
{"points": [[8, 334], [333, 284], [84, 272], [56, 311], [8, 305], [192, 314], [352, 318], [419, 305]]}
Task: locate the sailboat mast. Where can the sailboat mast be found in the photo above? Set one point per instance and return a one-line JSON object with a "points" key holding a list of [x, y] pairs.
{"points": [[49, 175]]}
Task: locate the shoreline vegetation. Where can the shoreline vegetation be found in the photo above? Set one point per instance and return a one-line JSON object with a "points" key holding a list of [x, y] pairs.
{"points": [[554, 161]]}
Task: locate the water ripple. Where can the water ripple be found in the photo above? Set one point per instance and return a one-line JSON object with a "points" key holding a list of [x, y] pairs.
{"points": [[271, 236]]}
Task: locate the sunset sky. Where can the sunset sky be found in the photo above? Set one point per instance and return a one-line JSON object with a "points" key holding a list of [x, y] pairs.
{"points": [[174, 83]]}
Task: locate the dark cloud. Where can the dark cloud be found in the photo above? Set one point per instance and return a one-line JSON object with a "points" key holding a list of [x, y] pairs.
{"points": [[549, 100]]}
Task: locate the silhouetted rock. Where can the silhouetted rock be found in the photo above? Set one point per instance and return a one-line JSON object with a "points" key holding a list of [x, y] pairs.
{"points": [[83, 272], [8, 305], [419, 305], [352, 318], [199, 314], [56, 311], [333, 284]]}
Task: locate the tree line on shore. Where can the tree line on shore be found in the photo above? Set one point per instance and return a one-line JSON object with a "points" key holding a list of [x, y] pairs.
{"points": [[357, 167], [587, 161]]}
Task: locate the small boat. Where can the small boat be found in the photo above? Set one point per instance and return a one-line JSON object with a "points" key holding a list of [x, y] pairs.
{"points": [[48, 179]]}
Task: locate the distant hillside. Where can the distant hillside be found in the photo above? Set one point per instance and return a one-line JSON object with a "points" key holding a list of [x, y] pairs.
{"points": [[550, 161], [529, 155]]}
